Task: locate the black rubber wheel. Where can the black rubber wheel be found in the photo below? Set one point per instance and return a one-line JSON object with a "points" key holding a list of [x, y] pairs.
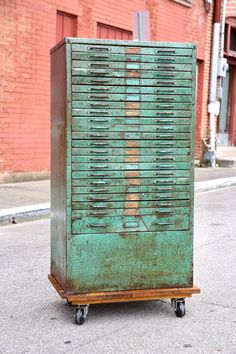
{"points": [[79, 316], [180, 309]]}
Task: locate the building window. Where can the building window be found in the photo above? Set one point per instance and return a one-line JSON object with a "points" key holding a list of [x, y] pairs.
{"points": [[66, 25], [230, 37], [184, 2], [110, 32]]}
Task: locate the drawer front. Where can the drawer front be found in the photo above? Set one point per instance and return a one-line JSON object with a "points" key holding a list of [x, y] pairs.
{"points": [[163, 121], [162, 80], [129, 182], [128, 144], [108, 49], [131, 174], [166, 111], [130, 105], [131, 136], [144, 90], [158, 97], [132, 58], [144, 152], [130, 223], [129, 159]]}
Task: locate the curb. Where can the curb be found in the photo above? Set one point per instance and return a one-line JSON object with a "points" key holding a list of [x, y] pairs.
{"points": [[39, 211]]}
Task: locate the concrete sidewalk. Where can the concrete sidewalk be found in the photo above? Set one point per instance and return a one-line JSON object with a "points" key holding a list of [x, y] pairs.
{"points": [[31, 200]]}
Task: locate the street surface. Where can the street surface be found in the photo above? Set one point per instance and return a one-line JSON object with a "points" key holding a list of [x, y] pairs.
{"points": [[33, 319]]}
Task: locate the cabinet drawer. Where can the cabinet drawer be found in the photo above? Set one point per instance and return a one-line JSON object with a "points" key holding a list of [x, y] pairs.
{"points": [[163, 121], [130, 105], [155, 144], [130, 151], [103, 112], [165, 135], [129, 159], [131, 204], [131, 174], [162, 80], [155, 50], [103, 182], [162, 57], [130, 223], [130, 197], [110, 166], [158, 97], [131, 90]]}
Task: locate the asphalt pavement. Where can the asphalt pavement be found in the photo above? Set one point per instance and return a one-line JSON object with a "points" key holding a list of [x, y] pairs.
{"points": [[35, 320]]}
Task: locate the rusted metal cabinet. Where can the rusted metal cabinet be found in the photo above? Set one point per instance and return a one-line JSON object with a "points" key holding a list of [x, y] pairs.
{"points": [[122, 171]]}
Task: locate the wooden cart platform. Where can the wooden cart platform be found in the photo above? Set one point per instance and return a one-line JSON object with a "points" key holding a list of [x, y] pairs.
{"points": [[125, 295]]}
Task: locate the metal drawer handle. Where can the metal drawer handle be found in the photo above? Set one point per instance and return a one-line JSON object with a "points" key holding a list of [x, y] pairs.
{"points": [[99, 88], [98, 120], [165, 105], [165, 60], [101, 190], [162, 223], [99, 49], [163, 189], [165, 181], [98, 57], [94, 183], [98, 175], [167, 121], [94, 167], [167, 211], [162, 127], [166, 51], [100, 65], [164, 158], [99, 104], [99, 206], [165, 99], [164, 194], [164, 173], [99, 144], [98, 136], [165, 136], [166, 166], [99, 81], [98, 225], [165, 204], [164, 114], [165, 67], [100, 213], [99, 199], [164, 152], [98, 159], [165, 144], [93, 72], [98, 152], [98, 128], [165, 91], [98, 112], [92, 96]]}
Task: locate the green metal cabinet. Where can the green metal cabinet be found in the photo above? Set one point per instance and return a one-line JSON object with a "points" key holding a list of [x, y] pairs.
{"points": [[122, 171]]}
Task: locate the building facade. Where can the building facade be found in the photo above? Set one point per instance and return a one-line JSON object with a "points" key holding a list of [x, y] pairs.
{"points": [[29, 29]]}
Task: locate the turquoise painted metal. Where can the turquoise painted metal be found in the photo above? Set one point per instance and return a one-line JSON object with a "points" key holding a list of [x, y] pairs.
{"points": [[122, 165]]}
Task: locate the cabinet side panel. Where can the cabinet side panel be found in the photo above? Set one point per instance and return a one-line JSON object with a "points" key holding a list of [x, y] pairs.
{"points": [[58, 164]]}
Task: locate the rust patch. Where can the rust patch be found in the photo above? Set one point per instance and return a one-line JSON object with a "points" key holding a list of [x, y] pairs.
{"points": [[133, 212], [132, 105], [134, 182], [132, 152], [133, 73], [132, 159], [132, 50], [132, 143], [131, 205], [131, 174], [132, 113], [133, 197]]}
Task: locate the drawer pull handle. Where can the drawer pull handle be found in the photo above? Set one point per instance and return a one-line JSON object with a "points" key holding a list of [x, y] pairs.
{"points": [[94, 159], [166, 211], [92, 96], [99, 81], [99, 49], [95, 183], [98, 136], [171, 158], [167, 121], [166, 67], [166, 83], [163, 189], [99, 104], [161, 127], [98, 152], [165, 195], [165, 91], [98, 128], [101, 190], [98, 112], [98, 225], [99, 88], [165, 105], [166, 136], [99, 213], [162, 223], [96, 72], [166, 51], [165, 173], [165, 144], [166, 166], [98, 175], [99, 65], [165, 181], [163, 114], [98, 57], [165, 204], [99, 199], [99, 206], [99, 144], [98, 167], [165, 99], [98, 120], [171, 60]]}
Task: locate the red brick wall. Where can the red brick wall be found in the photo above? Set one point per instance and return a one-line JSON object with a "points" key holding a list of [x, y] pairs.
{"points": [[28, 31], [230, 8]]}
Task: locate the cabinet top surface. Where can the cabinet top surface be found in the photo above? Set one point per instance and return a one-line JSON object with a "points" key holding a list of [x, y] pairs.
{"points": [[76, 40]]}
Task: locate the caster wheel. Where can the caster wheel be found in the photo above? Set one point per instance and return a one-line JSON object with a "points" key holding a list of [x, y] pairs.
{"points": [[79, 316], [68, 302], [180, 309]]}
